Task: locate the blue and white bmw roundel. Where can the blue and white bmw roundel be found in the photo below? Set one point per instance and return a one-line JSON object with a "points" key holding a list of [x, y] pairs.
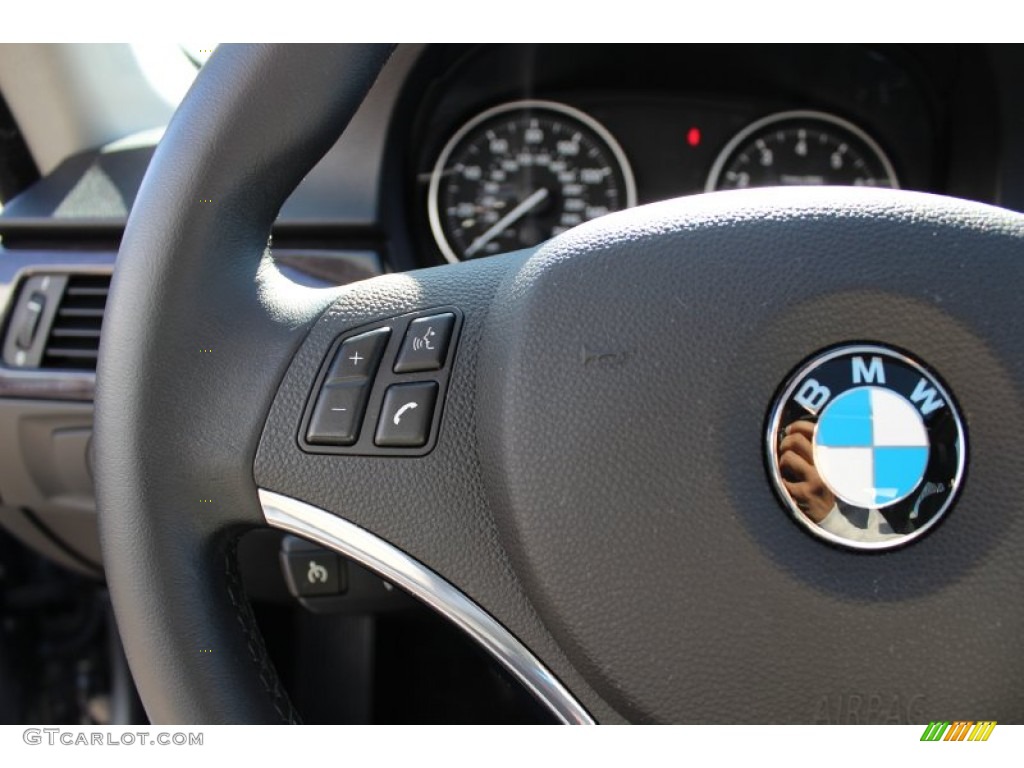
{"points": [[871, 447], [865, 447]]}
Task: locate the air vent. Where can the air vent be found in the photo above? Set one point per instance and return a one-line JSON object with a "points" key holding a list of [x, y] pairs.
{"points": [[74, 338]]}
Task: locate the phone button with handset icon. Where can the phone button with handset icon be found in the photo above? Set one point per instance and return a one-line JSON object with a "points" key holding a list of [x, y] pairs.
{"points": [[406, 415], [381, 388]]}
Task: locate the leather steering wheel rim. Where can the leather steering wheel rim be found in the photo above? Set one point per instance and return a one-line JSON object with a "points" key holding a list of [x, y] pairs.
{"points": [[256, 119], [598, 484]]}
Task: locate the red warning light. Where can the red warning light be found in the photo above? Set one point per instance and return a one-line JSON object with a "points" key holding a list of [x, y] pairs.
{"points": [[693, 136]]}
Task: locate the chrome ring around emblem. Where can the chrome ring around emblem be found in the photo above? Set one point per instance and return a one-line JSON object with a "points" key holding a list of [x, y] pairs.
{"points": [[865, 447]]}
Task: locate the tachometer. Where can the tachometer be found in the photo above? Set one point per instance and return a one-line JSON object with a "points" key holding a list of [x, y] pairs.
{"points": [[801, 148], [520, 173]]}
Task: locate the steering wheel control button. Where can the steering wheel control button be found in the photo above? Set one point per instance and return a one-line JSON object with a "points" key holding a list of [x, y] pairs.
{"points": [[313, 572], [338, 414], [406, 415], [362, 373], [425, 344], [866, 447], [359, 356]]}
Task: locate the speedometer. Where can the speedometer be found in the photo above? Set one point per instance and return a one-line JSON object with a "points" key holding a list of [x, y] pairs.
{"points": [[521, 173], [801, 148]]}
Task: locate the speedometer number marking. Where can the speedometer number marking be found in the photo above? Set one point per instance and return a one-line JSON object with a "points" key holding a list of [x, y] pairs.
{"points": [[521, 173]]}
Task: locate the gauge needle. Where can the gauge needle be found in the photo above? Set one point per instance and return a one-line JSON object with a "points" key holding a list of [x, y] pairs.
{"points": [[507, 220]]}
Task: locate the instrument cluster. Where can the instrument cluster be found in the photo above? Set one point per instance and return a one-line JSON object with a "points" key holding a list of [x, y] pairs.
{"points": [[510, 164]]}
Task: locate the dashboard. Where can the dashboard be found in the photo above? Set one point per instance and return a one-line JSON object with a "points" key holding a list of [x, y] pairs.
{"points": [[466, 151], [502, 162], [463, 151]]}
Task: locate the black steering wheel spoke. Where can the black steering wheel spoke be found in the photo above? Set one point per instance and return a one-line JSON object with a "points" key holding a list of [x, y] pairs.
{"points": [[412, 509]]}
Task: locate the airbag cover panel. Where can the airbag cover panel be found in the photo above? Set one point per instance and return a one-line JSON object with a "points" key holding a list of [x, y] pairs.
{"points": [[626, 375]]}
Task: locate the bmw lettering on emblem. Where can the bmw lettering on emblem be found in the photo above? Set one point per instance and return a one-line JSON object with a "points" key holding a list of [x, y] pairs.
{"points": [[866, 447]]}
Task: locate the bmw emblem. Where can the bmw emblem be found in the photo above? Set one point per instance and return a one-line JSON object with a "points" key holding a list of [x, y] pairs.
{"points": [[866, 448]]}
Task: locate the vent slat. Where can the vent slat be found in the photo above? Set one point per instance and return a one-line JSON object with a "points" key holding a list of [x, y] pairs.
{"points": [[74, 333], [74, 338], [78, 354]]}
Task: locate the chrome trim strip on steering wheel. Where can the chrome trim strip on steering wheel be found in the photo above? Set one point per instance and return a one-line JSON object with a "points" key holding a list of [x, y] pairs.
{"points": [[394, 565]]}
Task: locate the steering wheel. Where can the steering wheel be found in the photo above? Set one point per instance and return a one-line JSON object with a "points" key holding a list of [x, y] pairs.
{"points": [[584, 487]]}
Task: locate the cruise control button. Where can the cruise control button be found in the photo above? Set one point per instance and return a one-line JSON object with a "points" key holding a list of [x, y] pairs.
{"points": [[425, 344], [359, 356], [337, 415], [313, 572], [406, 415]]}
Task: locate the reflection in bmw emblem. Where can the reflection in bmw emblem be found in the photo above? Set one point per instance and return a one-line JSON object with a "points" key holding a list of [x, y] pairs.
{"points": [[866, 447]]}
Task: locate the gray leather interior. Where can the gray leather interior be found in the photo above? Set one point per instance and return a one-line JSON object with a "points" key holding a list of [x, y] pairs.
{"points": [[598, 483]]}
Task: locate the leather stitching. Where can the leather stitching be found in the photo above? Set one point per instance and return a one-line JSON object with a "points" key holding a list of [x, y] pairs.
{"points": [[254, 640]]}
